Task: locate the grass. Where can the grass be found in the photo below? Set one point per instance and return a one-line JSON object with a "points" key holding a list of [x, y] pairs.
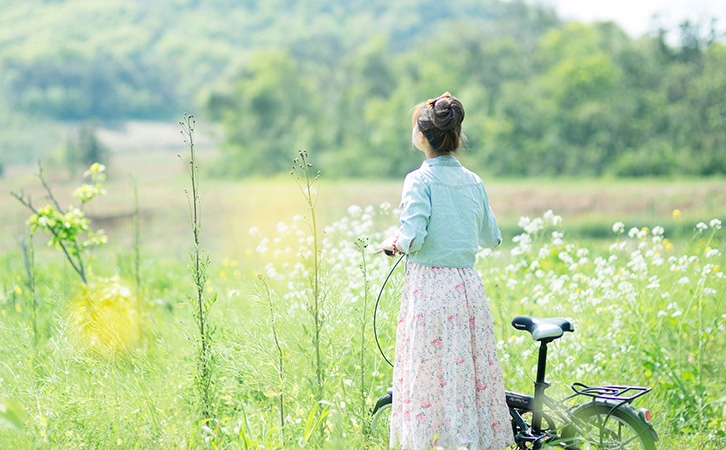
{"points": [[648, 307], [144, 391]]}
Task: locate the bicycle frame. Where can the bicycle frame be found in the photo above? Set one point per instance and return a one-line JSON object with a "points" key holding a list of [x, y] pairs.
{"points": [[516, 402]]}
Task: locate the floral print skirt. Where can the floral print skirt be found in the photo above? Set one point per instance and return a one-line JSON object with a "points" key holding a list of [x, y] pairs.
{"points": [[448, 390]]}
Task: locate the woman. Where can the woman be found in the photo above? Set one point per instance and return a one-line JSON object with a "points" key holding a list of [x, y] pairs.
{"points": [[448, 390]]}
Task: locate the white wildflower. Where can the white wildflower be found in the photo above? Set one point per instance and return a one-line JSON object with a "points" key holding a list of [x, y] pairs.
{"points": [[354, 210], [262, 246], [708, 268], [557, 238], [552, 218], [534, 226], [712, 252], [566, 258], [673, 306], [281, 227], [523, 222], [654, 282], [700, 226], [684, 281], [618, 228], [715, 224], [617, 246], [543, 252]]}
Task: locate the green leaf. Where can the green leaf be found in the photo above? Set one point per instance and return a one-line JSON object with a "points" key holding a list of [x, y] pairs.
{"points": [[11, 414], [312, 423]]}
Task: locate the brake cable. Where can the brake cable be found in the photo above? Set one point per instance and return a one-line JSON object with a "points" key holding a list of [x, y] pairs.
{"points": [[375, 310]]}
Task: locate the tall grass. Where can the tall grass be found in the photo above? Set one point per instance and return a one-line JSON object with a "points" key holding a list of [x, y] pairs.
{"points": [[648, 309]]}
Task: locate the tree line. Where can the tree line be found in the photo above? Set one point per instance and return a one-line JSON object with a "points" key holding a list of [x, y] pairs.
{"points": [[543, 97]]}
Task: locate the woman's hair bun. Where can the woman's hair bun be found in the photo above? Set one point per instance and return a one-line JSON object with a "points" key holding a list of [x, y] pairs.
{"points": [[448, 113], [439, 120]]}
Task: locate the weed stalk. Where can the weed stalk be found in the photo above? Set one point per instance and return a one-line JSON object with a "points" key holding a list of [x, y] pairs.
{"points": [[136, 223], [198, 269], [267, 294], [29, 259], [137, 238], [362, 245], [301, 171]]}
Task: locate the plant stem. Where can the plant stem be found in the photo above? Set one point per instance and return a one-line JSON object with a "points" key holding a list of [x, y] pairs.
{"points": [[77, 265], [29, 258], [301, 171], [363, 245], [203, 379], [137, 251], [137, 238], [280, 359]]}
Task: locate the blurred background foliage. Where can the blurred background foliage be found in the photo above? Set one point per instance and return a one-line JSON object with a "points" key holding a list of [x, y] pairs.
{"points": [[544, 97]]}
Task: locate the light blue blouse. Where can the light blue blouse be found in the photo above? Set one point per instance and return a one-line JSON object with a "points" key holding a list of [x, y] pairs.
{"points": [[445, 215]]}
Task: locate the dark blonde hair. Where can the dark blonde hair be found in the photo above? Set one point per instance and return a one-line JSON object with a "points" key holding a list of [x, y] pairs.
{"points": [[439, 119]]}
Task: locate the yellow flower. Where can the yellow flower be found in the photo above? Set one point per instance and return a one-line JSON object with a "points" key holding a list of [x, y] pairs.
{"points": [[676, 214], [18, 290], [667, 244]]}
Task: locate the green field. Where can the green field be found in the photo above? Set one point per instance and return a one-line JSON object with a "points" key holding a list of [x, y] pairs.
{"points": [[589, 206], [113, 366]]}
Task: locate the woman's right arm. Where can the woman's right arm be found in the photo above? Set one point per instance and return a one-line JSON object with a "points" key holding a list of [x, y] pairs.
{"points": [[415, 213], [489, 234]]}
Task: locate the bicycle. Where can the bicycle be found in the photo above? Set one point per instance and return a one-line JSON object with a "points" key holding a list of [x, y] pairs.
{"points": [[607, 420]]}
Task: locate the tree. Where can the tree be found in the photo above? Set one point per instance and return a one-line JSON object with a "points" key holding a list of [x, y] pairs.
{"points": [[85, 149], [267, 114]]}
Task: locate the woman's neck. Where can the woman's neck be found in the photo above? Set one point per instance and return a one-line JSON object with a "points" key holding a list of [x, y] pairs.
{"points": [[432, 154]]}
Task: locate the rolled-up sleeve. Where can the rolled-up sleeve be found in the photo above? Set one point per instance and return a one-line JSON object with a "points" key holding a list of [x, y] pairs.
{"points": [[415, 213]]}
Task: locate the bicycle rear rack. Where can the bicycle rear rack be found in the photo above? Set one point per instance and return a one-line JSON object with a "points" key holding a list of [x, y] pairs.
{"points": [[621, 394]]}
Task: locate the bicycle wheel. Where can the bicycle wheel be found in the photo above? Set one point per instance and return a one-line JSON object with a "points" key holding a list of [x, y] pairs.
{"points": [[598, 426], [381, 420]]}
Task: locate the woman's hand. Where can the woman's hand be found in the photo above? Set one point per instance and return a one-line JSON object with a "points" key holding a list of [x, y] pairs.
{"points": [[389, 246]]}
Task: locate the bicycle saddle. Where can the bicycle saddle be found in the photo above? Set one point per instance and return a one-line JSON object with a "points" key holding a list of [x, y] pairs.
{"points": [[543, 329]]}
